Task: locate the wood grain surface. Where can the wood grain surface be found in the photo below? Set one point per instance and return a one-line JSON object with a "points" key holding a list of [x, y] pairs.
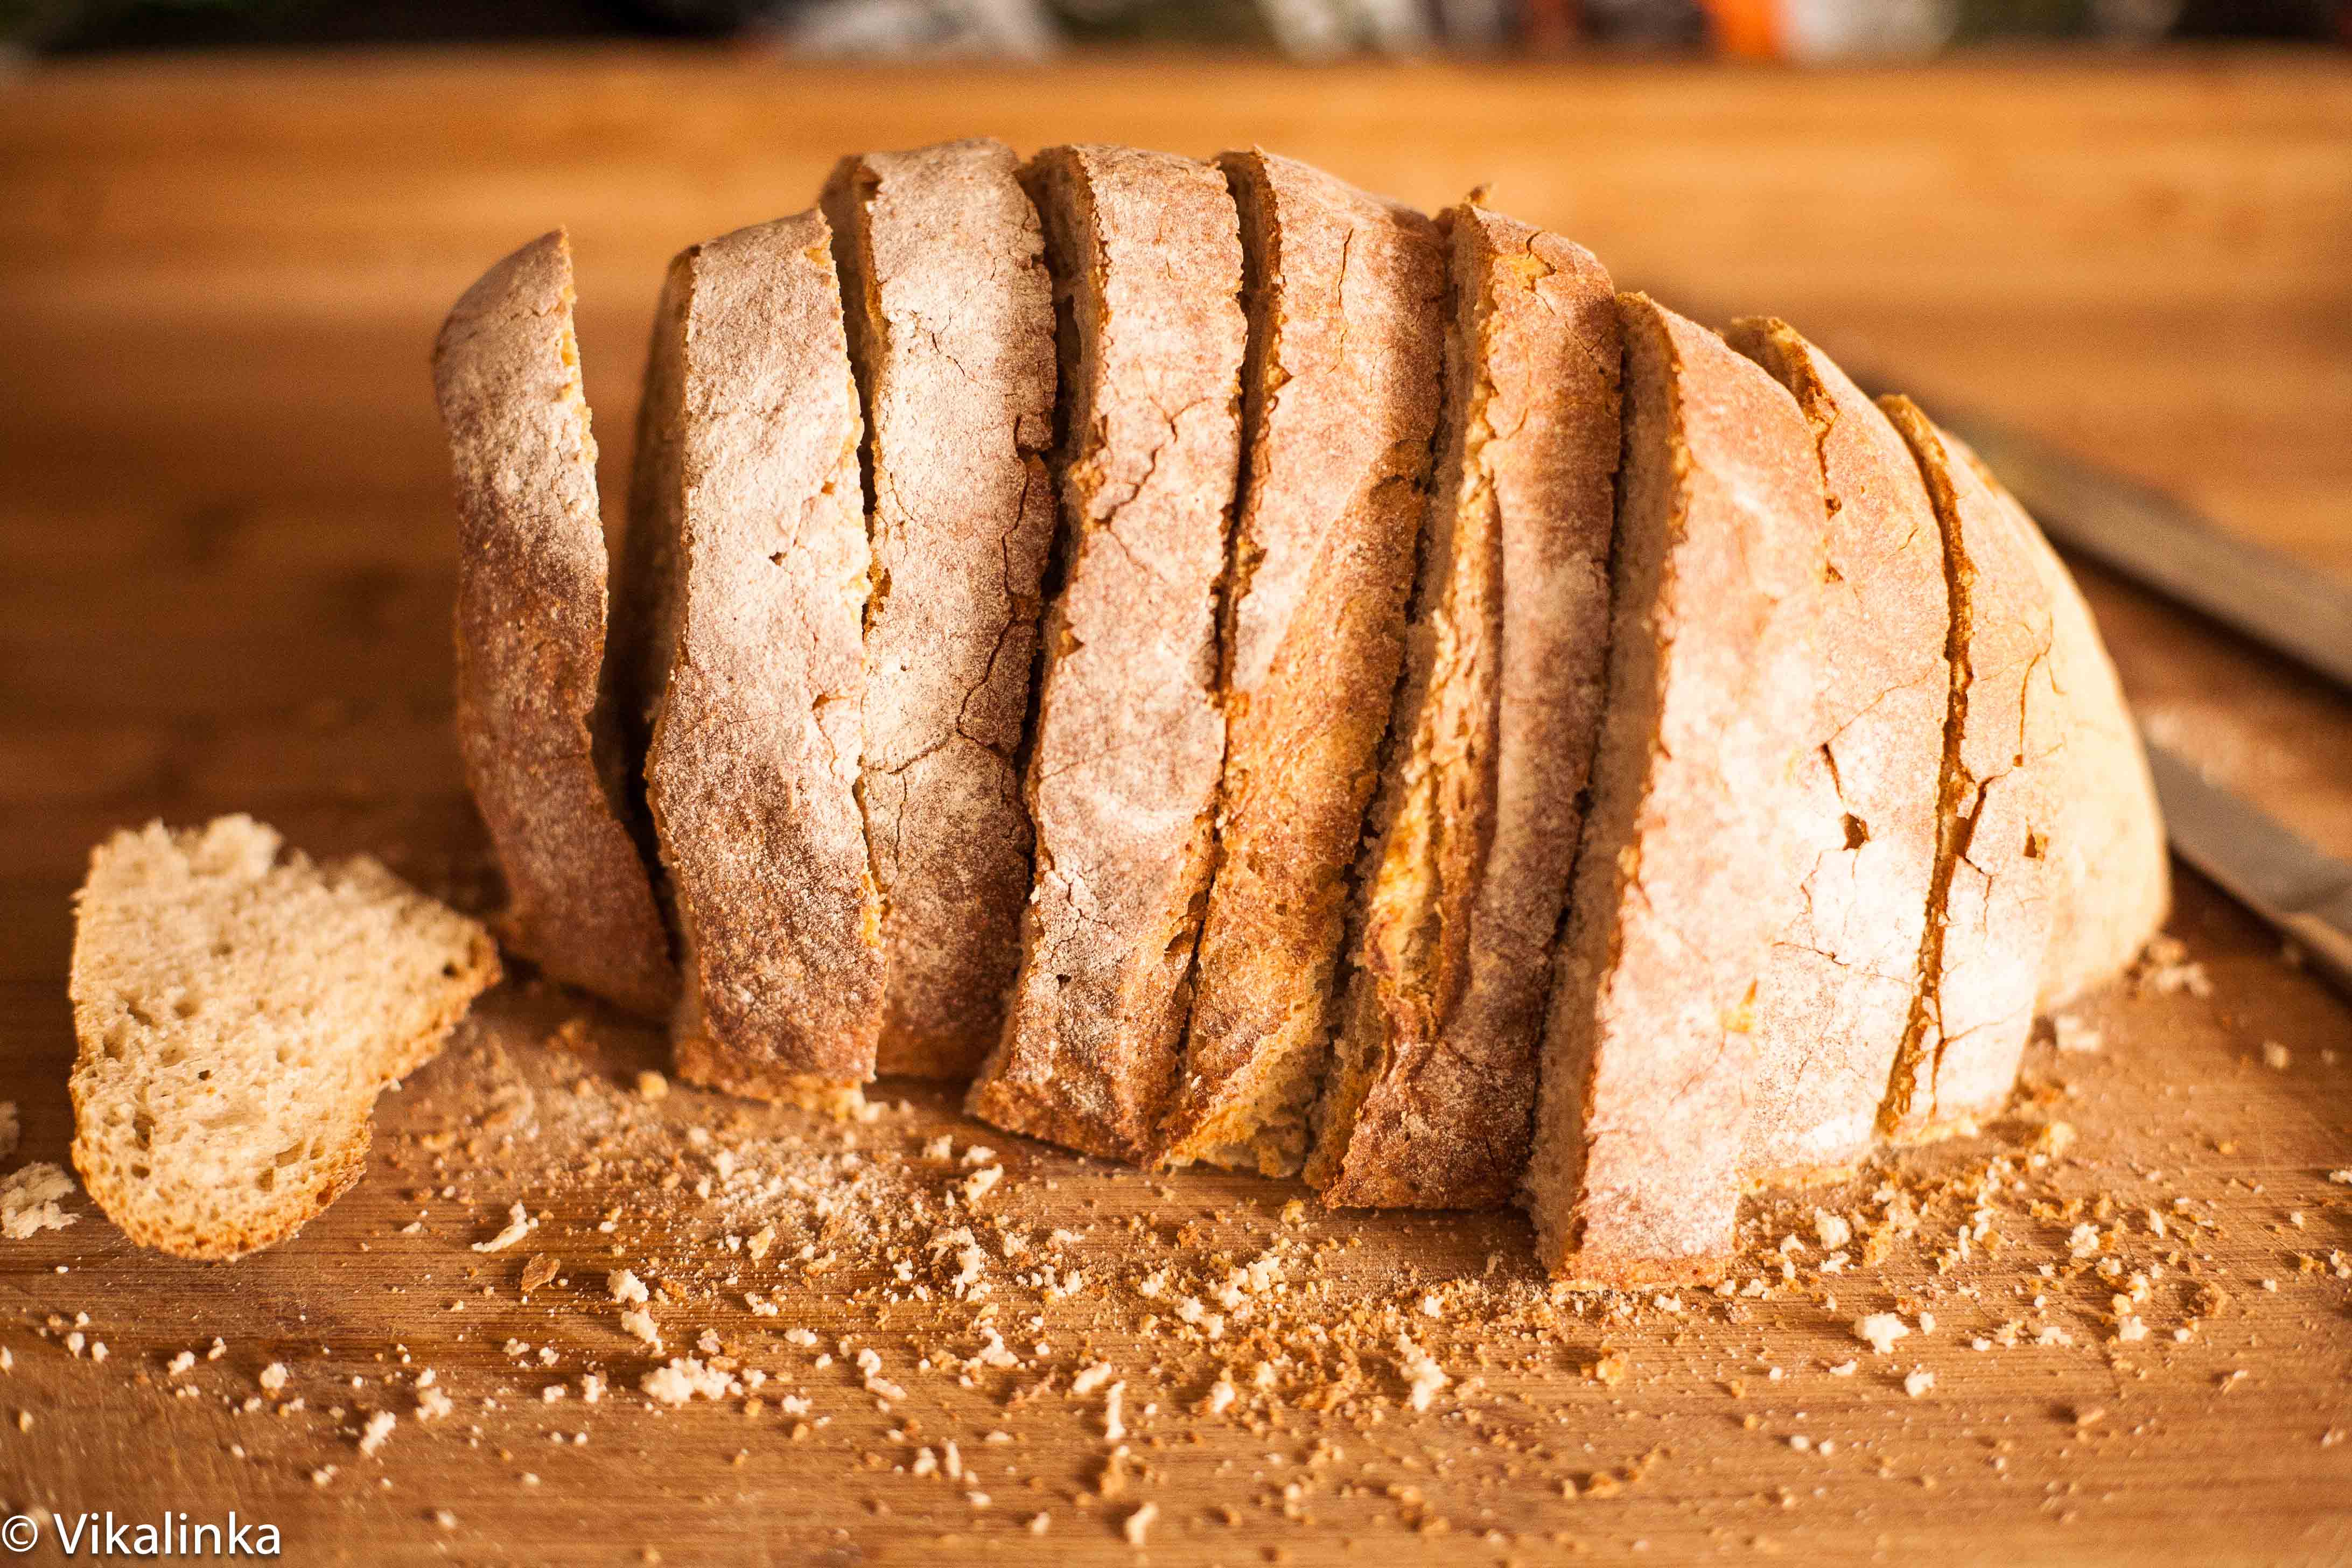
{"points": [[225, 570]]}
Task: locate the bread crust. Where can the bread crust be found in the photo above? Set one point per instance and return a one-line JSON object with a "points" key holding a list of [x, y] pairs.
{"points": [[747, 555], [1346, 296], [1122, 780], [2111, 872], [1838, 989], [1693, 848], [534, 717], [951, 320], [1988, 914], [1475, 828]]}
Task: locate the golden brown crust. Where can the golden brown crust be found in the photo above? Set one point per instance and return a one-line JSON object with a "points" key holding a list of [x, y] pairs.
{"points": [[1838, 991], [950, 321], [1146, 260], [1346, 295], [533, 723], [1988, 914], [752, 565], [2111, 875], [1692, 850], [1475, 825]]}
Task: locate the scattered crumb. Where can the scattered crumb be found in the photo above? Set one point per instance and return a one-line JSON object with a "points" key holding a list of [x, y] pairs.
{"points": [[31, 1199]]}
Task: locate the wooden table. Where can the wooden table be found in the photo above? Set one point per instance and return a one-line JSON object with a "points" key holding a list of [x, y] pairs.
{"points": [[224, 571]]}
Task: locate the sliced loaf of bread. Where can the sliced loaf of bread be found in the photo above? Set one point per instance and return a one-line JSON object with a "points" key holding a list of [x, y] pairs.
{"points": [[1839, 982], [544, 753], [1692, 852], [747, 562], [1475, 827], [1146, 260], [951, 320], [1346, 297], [238, 1008], [1989, 905]]}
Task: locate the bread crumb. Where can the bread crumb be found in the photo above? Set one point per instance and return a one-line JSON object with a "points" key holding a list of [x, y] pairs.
{"points": [[1422, 1375], [377, 1432], [683, 1379], [519, 1224], [1880, 1330], [30, 1200], [976, 1185], [1114, 1413], [2276, 1057], [2073, 1035], [537, 1272], [626, 1287], [1139, 1522], [1834, 1230], [639, 1324], [652, 1086], [273, 1377], [1919, 1381]]}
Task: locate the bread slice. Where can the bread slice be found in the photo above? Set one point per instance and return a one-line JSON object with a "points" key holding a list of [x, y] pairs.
{"points": [[544, 753], [2110, 877], [747, 554], [1122, 783], [951, 319], [1694, 846], [238, 1007], [1988, 911], [1346, 297], [1838, 988], [1476, 824]]}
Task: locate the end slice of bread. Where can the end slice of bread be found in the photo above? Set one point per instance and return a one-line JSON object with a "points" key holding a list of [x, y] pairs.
{"points": [[238, 1008], [535, 719], [2111, 872]]}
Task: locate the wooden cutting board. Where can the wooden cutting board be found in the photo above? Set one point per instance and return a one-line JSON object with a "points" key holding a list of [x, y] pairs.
{"points": [[224, 572]]}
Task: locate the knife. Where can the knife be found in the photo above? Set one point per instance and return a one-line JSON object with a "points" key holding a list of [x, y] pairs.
{"points": [[2305, 895], [2157, 541]]}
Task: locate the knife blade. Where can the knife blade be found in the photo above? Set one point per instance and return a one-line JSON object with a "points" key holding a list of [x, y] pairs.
{"points": [[2155, 541], [2304, 895]]}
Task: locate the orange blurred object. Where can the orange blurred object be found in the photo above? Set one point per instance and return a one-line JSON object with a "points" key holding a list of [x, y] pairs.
{"points": [[1750, 29]]}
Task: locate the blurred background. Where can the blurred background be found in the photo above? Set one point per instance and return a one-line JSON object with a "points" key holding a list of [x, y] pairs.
{"points": [[1815, 30]]}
